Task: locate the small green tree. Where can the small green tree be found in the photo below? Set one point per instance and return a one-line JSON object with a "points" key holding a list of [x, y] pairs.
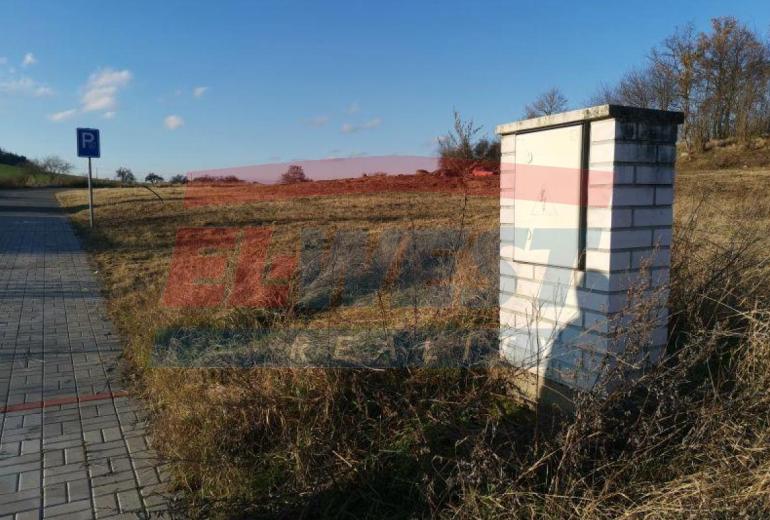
{"points": [[125, 175], [179, 179], [153, 178]]}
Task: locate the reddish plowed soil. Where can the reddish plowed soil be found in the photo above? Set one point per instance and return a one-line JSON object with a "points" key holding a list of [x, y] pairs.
{"points": [[203, 194]]}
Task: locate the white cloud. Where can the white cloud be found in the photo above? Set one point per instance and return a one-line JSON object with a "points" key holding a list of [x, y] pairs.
{"points": [[25, 86], [199, 91], [29, 59], [353, 108], [173, 122], [63, 115], [318, 121], [349, 128], [108, 115], [101, 90], [42, 90]]}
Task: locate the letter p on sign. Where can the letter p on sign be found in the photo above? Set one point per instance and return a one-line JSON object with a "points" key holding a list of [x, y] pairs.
{"points": [[88, 142]]}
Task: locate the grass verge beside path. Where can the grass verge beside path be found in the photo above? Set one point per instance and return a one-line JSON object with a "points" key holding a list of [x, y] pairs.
{"points": [[689, 439]]}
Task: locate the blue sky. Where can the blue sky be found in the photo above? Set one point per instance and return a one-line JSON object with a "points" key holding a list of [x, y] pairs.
{"points": [[179, 86]]}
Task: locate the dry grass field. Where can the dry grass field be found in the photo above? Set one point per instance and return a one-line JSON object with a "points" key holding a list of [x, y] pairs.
{"points": [[691, 439]]}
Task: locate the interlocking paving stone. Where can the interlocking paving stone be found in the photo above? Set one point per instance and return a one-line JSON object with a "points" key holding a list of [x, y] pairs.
{"points": [[61, 457]]}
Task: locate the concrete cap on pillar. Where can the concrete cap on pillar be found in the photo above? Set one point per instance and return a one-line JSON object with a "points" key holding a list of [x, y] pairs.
{"points": [[621, 112]]}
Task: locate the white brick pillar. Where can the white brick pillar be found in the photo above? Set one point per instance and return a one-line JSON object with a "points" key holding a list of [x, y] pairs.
{"points": [[585, 215]]}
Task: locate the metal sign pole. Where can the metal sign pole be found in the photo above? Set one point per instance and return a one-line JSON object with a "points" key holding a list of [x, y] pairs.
{"points": [[89, 146], [90, 196]]}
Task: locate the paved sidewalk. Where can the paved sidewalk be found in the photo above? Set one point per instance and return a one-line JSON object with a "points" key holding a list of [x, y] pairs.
{"points": [[72, 445]]}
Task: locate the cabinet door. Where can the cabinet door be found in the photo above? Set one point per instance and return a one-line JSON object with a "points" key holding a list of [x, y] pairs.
{"points": [[547, 194]]}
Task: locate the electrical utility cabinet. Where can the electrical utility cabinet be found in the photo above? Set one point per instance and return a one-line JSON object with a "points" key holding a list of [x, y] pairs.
{"points": [[585, 236]]}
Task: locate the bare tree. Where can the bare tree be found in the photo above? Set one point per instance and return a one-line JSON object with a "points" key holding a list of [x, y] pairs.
{"points": [[550, 102], [293, 175], [461, 149], [720, 79], [56, 165], [736, 70], [646, 88]]}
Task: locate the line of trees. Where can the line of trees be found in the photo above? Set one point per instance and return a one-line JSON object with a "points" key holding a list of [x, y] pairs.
{"points": [[720, 79], [126, 176]]}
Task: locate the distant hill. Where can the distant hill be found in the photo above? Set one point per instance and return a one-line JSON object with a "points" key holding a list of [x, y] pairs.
{"points": [[11, 159]]}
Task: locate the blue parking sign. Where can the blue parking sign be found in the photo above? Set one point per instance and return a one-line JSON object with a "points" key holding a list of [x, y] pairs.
{"points": [[88, 142]]}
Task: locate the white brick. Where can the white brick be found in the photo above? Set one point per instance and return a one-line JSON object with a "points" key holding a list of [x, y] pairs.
{"points": [[660, 336], [664, 196], [591, 343], [602, 152], [607, 261], [613, 283], [626, 130], [507, 233], [559, 314], [507, 319], [662, 216], [596, 322], [528, 288], [618, 239], [516, 304], [600, 196], [508, 144], [633, 196], [608, 218], [506, 215], [655, 132], [635, 152], [623, 174], [592, 300], [661, 237], [660, 277], [556, 275], [524, 270], [547, 294], [658, 257], [506, 268], [603, 130], [507, 284], [654, 174], [600, 174], [666, 153]]}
